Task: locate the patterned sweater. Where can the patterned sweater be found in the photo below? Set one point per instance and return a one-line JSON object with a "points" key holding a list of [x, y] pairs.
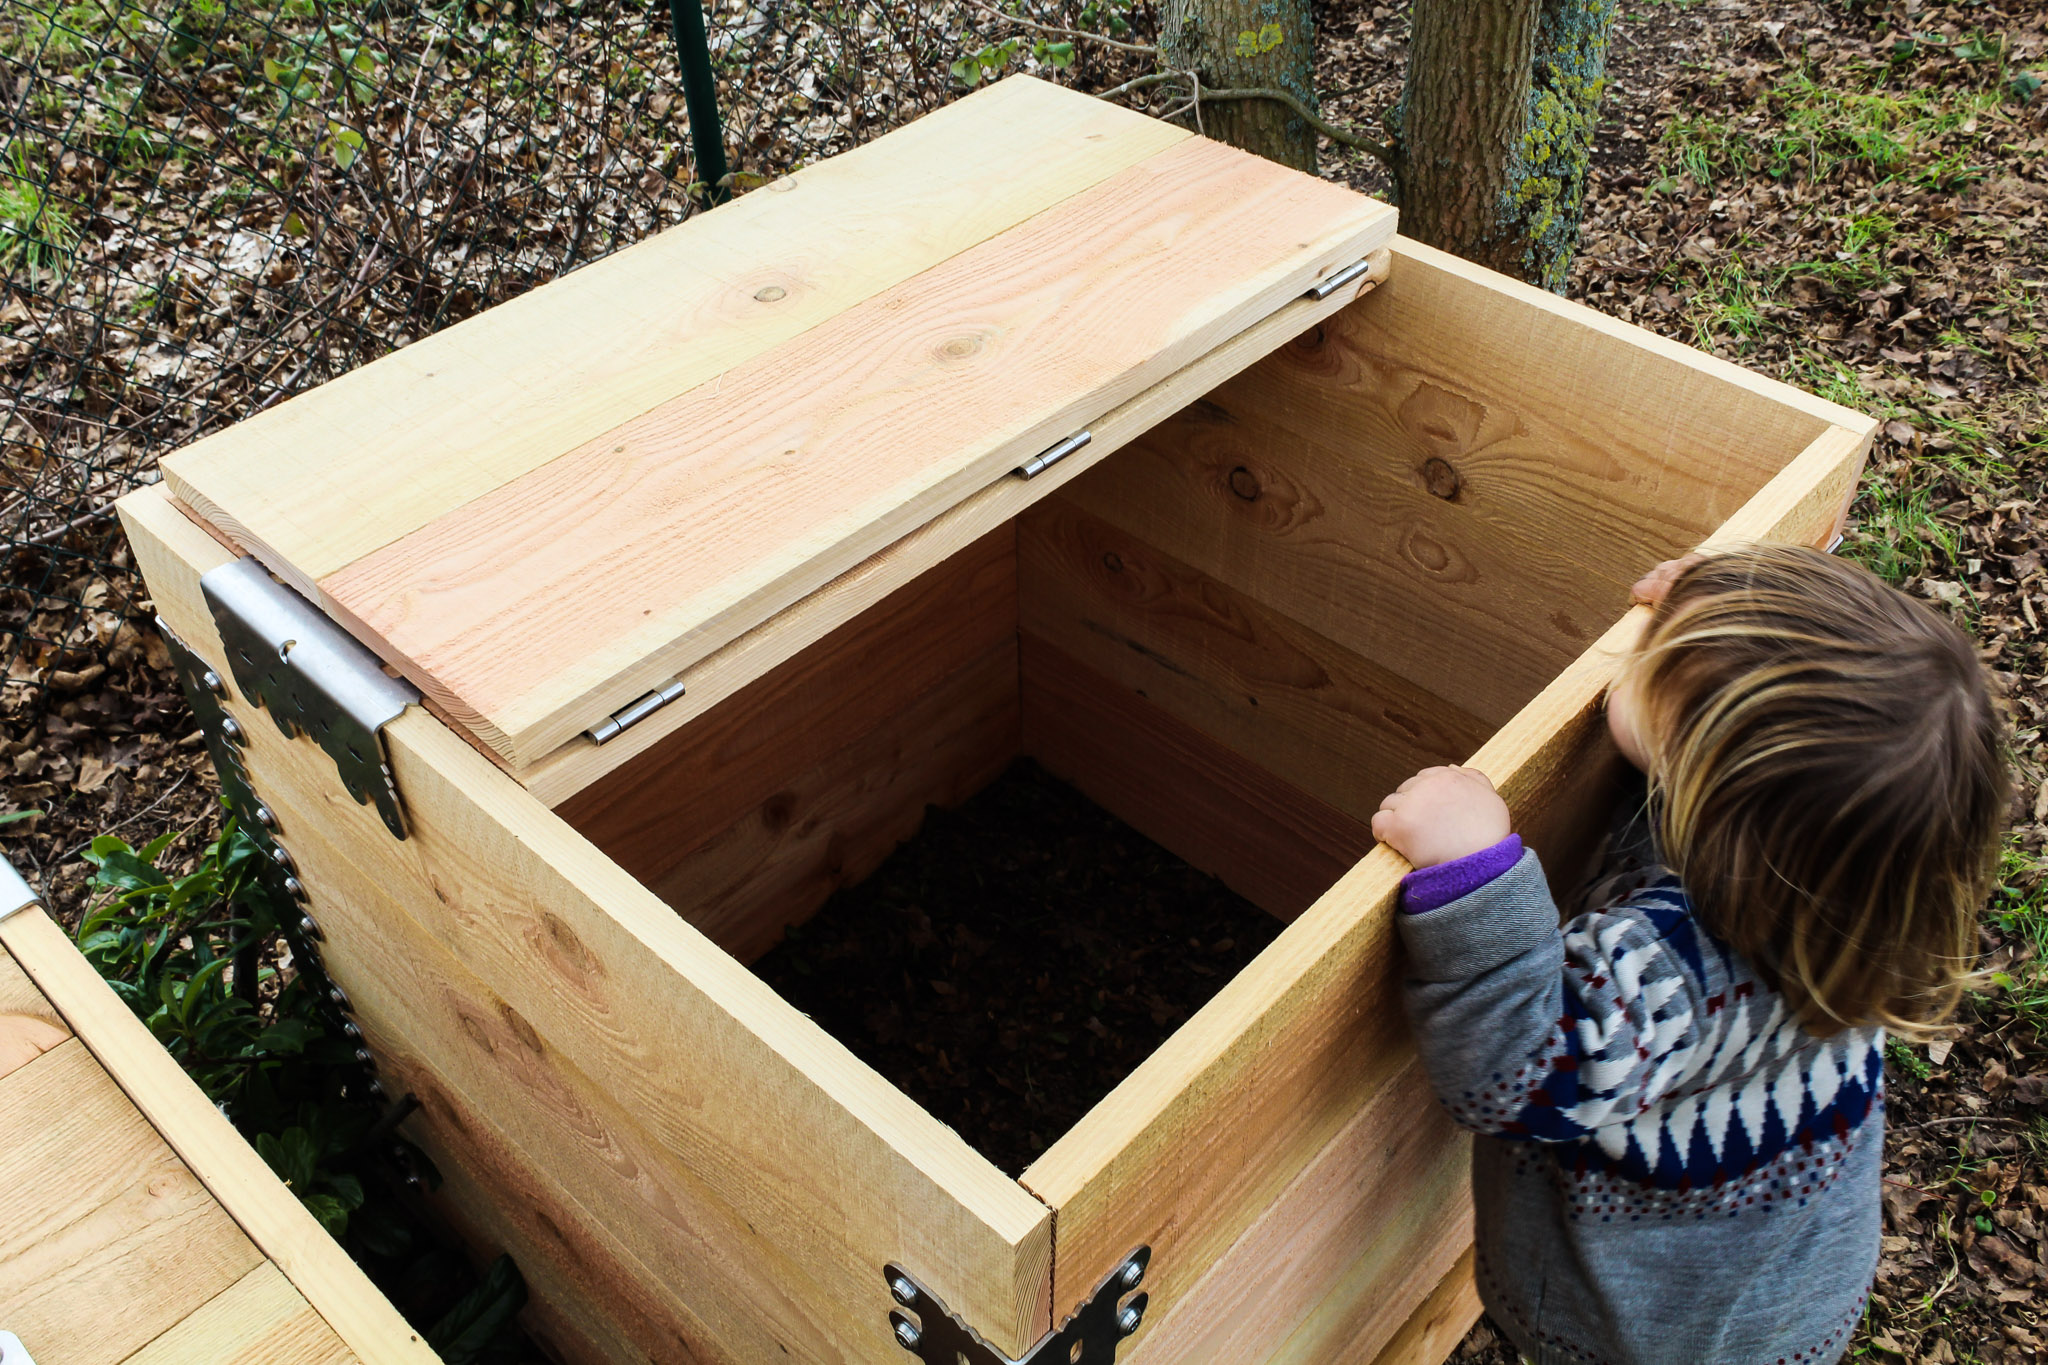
{"points": [[1671, 1170]]}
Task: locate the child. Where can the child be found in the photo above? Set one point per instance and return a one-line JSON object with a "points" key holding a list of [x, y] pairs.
{"points": [[1680, 1091]]}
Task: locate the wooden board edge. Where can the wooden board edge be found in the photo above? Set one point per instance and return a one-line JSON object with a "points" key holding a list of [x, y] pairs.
{"points": [[573, 766], [1759, 385], [1439, 1322], [208, 1144], [1807, 502]]}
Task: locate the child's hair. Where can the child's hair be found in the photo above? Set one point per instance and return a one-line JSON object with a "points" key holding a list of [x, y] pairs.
{"points": [[1827, 779]]}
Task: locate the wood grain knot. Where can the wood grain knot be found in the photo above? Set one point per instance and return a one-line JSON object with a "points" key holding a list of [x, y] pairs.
{"points": [[769, 293], [1245, 484], [1440, 478], [1112, 561]]}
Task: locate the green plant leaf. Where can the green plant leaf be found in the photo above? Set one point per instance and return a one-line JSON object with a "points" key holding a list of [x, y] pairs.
{"points": [[467, 1329]]}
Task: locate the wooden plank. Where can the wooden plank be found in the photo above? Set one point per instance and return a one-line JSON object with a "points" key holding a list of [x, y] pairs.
{"points": [[778, 1122], [613, 1232], [628, 559], [318, 482], [258, 1320], [1333, 1267], [1247, 1091], [1306, 483], [18, 994], [1436, 1326], [668, 803], [732, 667], [28, 1026], [269, 1214], [1313, 713], [1272, 843], [106, 1238], [831, 826]]}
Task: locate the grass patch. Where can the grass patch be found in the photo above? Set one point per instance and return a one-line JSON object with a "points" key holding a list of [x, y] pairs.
{"points": [[2019, 907], [34, 230], [1812, 128]]}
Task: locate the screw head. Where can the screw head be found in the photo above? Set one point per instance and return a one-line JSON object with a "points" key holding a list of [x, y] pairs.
{"points": [[904, 1290], [309, 928], [376, 1088], [348, 1027], [1128, 1319], [296, 889], [339, 997], [1134, 1273], [231, 731], [283, 858], [213, 683], [907, 1333], [363, 1056], [265, 818]]}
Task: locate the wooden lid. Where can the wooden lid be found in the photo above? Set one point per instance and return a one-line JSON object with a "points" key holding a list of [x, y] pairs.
{"points": [[547, 511]]}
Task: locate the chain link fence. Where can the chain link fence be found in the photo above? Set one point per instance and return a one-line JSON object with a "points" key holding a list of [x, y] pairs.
{"points": [[207, 206]]}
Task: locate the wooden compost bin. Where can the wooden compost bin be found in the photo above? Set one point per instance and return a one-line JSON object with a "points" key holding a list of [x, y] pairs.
{"points": [[1313, 544], [136, 1226]]}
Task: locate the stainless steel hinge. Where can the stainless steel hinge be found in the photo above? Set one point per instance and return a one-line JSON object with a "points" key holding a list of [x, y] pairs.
{"points": [[1052, 455], [626, 717], [206, 692], [312, 676], [1090, 1337]]}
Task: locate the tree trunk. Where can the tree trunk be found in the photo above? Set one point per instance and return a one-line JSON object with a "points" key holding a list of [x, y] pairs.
{"points": [[1248, 44], [1494, 131]]}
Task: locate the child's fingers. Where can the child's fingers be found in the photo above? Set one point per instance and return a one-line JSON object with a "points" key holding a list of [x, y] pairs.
{"points": [[1654, 586]]}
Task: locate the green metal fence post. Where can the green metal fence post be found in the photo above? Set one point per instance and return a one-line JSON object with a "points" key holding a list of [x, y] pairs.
{"points": [[700, 94]]}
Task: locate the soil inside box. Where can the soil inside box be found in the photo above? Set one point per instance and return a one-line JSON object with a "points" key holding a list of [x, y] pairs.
{"points": [[1016, 959]]}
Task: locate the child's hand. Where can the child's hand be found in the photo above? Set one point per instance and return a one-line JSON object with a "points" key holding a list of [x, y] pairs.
{"points": [[1655, 585], [1442, 814]]}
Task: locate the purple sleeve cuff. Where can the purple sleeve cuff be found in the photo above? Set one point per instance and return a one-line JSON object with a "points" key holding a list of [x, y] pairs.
{"points": [[1432, 888]]}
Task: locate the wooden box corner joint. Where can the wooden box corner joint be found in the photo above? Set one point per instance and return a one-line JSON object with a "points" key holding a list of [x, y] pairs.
{"points": [[1090, 1335]]}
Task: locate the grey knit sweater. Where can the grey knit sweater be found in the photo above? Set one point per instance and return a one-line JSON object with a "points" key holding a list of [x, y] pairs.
{"points": [[1670, 1170]]}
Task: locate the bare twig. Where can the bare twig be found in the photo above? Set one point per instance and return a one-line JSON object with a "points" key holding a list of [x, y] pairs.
{"points": [[1141, 83], [1342, 136], [1064, 32]]}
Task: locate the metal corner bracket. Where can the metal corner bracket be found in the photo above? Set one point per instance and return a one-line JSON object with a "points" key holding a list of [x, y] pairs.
{"points": [[1089, 1337], [312, 676]]}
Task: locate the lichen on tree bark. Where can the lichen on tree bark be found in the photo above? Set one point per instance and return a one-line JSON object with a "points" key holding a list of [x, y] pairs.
{"points": [[1494, 132], [1248, 44]]}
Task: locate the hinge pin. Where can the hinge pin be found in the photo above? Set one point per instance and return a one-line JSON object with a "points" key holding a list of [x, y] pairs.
{"points": [[1052, 455], [622, 720], [1324, 288]]}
